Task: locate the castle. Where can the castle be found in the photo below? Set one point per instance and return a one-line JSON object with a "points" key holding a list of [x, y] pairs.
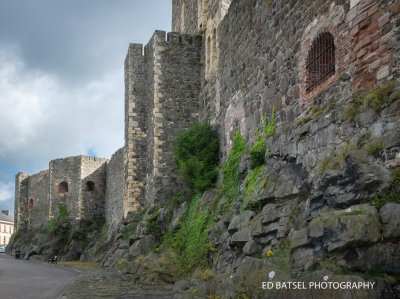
{"points": [[231, 62]]}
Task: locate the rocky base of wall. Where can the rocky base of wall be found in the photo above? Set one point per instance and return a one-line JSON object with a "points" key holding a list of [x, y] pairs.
{"points": [[326, 209], [85, 241]]}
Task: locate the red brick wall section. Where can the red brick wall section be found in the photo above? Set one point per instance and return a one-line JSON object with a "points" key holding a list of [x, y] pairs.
{"points": [[334, 23], [370, 57], [360, 45], [57, 189]]}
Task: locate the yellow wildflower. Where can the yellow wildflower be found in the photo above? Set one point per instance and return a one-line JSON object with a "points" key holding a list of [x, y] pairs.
{"points": [[269, 252]]}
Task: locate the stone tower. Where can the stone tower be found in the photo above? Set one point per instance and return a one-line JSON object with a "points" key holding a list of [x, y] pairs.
{"points": [[161, 98]]}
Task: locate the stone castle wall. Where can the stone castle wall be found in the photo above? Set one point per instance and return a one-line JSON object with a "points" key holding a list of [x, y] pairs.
{"points": [[38, 199], [20, 200], [162, 87], [115, 187], [245, 87], [38, 196], [185, 16], [93, 187], [66, 170]]}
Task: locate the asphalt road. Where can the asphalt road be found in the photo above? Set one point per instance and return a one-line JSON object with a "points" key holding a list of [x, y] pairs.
{"points": [[21, 279]]}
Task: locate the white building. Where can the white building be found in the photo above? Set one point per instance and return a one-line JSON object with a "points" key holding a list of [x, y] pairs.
{"points": [[6, 227]]}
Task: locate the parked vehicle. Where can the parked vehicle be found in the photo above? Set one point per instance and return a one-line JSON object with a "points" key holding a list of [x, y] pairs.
{"points": [[2, 249]]}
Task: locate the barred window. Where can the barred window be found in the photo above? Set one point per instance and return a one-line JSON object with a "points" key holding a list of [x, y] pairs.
{"points": [[321, 60]]}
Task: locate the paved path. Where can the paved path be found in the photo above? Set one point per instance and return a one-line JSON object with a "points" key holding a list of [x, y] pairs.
{"points": [[100, 283], [21, 279]]}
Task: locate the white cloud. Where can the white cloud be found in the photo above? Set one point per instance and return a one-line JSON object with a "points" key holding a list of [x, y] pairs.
{"points": [[6, 191], [40, 119]]}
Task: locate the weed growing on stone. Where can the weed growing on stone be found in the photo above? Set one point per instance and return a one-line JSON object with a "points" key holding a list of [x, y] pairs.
{"points": [[356, 102], [152, 225], [103, 236], [258, 153], [122, 264], [230, 170], [382, 199], [188, 243], [374, 148], [303, 120], [128, 231], [316, 111], [207, 274], [393, 195], [380, 96], [353, 212], [376, 99], [269, 128], [55, 225], [335, 160], [251, 182], [396, 176], [375, 273]]}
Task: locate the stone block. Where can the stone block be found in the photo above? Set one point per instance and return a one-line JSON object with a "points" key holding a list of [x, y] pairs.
{"points": [[240, 221], [390, 218], [251, 247], [382, 73], [315, 228], [383, 20], [347, 228], [298, 238], [240, 238]]}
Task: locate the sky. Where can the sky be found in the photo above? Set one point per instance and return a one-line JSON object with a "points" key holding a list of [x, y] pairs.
{"points": [[61, 78]]}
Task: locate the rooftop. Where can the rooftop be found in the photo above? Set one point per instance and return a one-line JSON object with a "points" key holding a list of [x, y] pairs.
{"points": [[4, 217]]}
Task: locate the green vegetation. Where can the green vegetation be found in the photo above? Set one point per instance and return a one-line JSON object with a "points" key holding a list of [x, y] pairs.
{"points": [[355, 105], [60, 227], [152, 225], [381, 95], [128, 231], [188, 244], [230, 170], [382, 199], [207, 274], [86, 226], [376, 273], [251, 183], [269, 128], [196, 155], [303, 120], [376, 99], [57, 226], [316, 111], [353, 212], [258, 153], [393, 194], [335, 160], [374, 148], [396, 176], [122, 264]]}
